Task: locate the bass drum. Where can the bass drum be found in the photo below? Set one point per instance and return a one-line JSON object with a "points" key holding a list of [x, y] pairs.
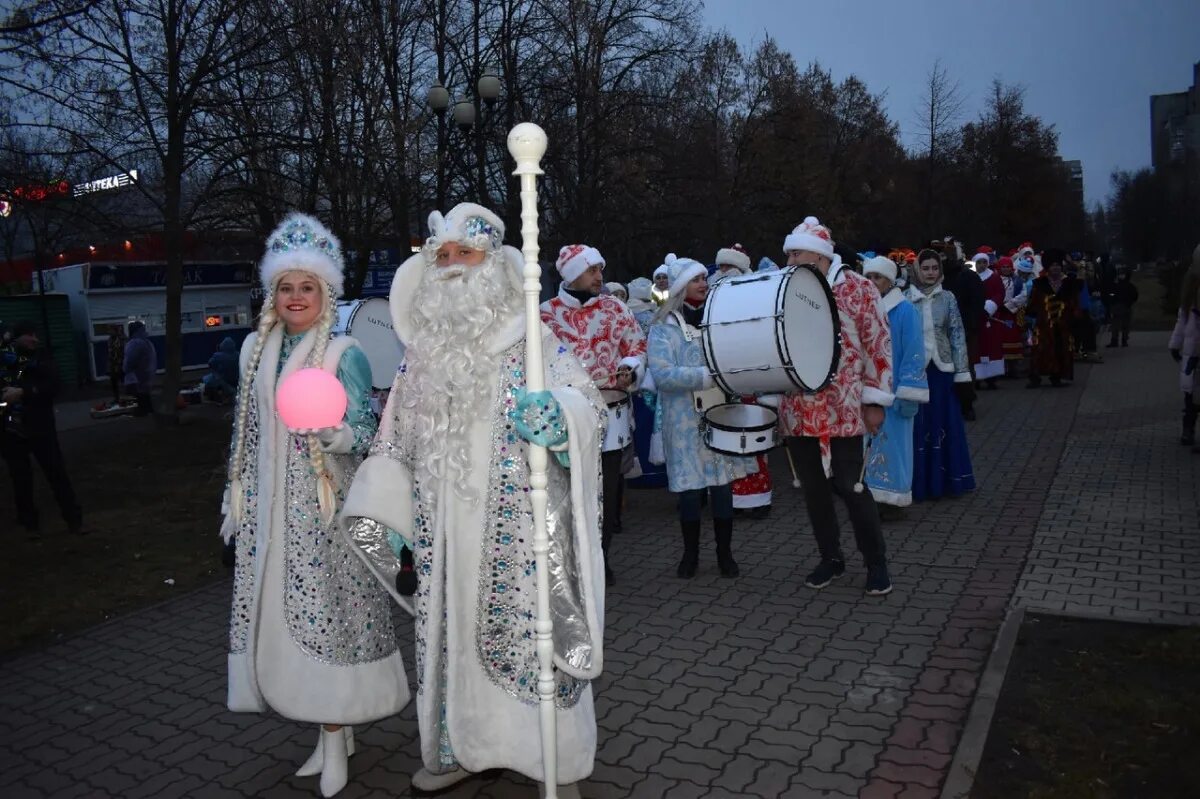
{"points": [[772, 333], [369, 322]]}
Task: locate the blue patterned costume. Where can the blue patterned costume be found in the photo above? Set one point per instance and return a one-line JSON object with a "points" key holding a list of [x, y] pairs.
{"points": [[678, 368], [890, 459]]}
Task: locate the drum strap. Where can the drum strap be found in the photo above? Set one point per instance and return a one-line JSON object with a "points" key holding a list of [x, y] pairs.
{"points": [[689, 332]]}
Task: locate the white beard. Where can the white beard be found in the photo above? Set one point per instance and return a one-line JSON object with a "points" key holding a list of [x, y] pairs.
{"points": [[452, 378]]}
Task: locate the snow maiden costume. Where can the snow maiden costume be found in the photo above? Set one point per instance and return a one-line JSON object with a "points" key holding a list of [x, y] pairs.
{"points": [[941, 459], [448, 475], [310, 636], [890, 458], [685, 388]]}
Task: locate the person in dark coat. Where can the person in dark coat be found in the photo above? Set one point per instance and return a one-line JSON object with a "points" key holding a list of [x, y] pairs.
{"points": [[30, 383], [1120, 307], [967, 289], [141, 362]]}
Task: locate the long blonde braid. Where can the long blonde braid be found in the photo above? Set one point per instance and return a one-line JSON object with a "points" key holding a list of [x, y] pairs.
{"points": [[326, 496], [266, 322]]}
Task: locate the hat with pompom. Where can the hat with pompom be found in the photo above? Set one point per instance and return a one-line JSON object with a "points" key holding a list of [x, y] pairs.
{"points": [[575, 259], [682, 271], [735, 256], [302, 243], [812, 236]]}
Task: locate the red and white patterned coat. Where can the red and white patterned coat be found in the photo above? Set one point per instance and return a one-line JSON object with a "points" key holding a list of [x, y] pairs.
{"points": [[602, 333], [864, 374]]}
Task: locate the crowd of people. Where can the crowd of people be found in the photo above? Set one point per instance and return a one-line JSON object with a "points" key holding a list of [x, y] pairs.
{"points": [[428, 503]]}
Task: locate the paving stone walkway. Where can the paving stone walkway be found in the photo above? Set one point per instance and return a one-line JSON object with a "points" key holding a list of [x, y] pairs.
{"points": [[755, 687]]}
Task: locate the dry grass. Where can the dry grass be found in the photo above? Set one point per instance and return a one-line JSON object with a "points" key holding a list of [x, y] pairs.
{"points": [[151, 499]]}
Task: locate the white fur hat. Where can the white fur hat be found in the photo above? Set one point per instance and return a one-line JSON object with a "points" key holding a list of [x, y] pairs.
{"points": [[614, 287], [468, 224], [881, 265], [681, 271], [662, 270], [302, 243], [640, 288], [810, 235], [575, 259], [735, 256]]}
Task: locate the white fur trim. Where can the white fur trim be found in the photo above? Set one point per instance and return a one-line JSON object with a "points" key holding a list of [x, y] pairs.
{"points": [[890, 300], [317, 261], [881, 265], [382, 490], [894, 498], [805, 237], [731, 257], [990, 307], [912, 393], [877, 396], [682, 271], [454, 227], [575, 259], [962, 377]]}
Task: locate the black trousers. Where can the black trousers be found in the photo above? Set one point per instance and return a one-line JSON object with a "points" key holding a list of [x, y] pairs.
{"points": [[144, 406], [847, 460], [613, 486], [19, 453]]}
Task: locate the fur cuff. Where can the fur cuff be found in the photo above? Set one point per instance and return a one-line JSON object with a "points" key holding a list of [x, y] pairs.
{"points": [[877, 396], [962, 377], [990, 307], [913, 393], [639, 370], [383, 491]]}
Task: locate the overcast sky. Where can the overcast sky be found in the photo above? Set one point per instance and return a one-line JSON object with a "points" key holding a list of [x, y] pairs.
{"points": [[1088, 66]]}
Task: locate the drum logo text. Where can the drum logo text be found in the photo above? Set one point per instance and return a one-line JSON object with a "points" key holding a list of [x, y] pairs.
{"points": [[800, 295]]}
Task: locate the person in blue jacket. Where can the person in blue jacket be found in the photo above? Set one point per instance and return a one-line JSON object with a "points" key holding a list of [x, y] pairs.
{"points": [[890, 452]]}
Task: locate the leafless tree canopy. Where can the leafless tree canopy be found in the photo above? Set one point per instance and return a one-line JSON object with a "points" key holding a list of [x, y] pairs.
{"points": [[663, 136]]}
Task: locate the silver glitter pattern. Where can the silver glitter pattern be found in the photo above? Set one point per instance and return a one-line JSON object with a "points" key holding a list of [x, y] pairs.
{"points": [[335, 611]]}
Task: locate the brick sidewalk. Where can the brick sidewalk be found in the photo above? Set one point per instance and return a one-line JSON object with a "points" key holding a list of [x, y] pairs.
{"points": [[713, 688]]}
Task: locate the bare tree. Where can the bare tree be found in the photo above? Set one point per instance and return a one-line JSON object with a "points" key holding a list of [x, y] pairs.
{"points": [[936, 120], [130, 82]]}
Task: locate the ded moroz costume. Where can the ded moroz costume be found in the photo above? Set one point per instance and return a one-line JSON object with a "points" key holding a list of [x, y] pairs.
{"points": [[448, 475]]}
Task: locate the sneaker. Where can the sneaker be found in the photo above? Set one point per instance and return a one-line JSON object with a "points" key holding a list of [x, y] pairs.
{"points": [[878, 581], [826, 572]]}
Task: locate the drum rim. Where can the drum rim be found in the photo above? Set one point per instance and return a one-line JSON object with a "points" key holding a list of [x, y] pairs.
{"points": [[728, 429], [753, 454], [837, 331]]}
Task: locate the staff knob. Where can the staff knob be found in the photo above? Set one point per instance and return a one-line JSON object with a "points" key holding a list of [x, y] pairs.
{"points": [[527, 143]]}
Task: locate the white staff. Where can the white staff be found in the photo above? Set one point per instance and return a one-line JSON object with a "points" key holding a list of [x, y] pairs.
{"points": [[527, 143]]}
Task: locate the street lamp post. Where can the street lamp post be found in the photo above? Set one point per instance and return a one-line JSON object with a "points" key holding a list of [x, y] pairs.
{"points": [[470, 115]]}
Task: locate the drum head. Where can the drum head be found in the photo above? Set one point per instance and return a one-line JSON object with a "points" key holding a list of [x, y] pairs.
{"points": [[370, 322], [810, 327]]}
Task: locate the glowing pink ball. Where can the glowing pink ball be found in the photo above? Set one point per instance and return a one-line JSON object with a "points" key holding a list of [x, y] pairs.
{"points": [[311, 399]]}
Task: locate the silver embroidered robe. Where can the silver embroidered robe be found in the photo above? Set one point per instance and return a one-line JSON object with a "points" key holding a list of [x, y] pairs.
{"points": [[310, 633], [476, 600]]}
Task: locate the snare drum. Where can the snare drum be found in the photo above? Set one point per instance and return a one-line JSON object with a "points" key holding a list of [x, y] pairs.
{"points": [[370, 323], [740, 429], [619, 432], [772, 333]]}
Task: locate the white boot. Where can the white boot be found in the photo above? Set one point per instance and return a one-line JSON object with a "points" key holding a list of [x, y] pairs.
{"points": [[425, 780], [312, 766], [570, 791], [334, 769]]}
